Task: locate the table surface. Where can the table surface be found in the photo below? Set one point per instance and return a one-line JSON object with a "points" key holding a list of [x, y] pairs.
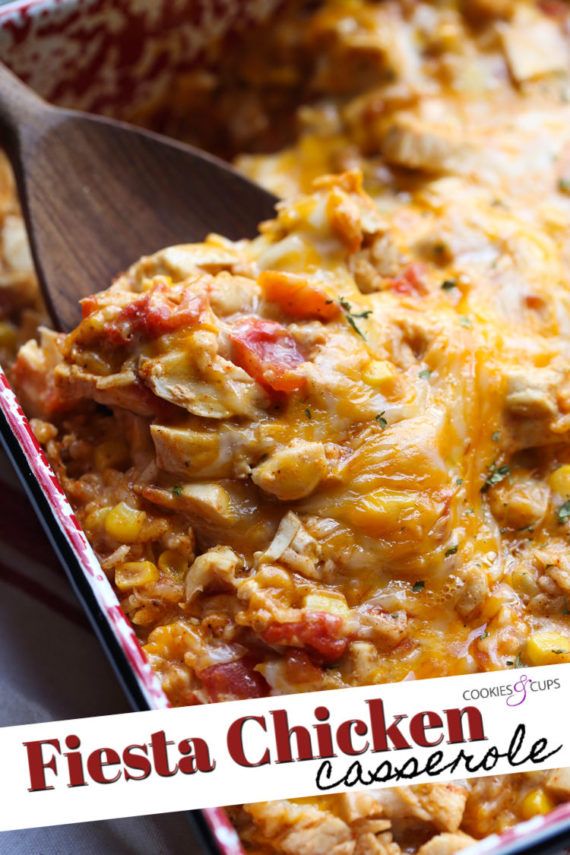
{"points": [[52, 667]]}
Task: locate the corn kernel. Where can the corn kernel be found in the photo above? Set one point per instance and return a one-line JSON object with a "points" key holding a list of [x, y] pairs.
{"points": [[379, 374], [325, 602], [559, 480], [8, 335], [133, 574], [547, 648], [523, 581], [96, 519], [113, 453], [173, 562], [536, 803], [124, 523], [491, 607]]}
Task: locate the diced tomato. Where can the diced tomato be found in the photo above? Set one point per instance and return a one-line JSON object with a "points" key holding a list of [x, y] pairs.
{"points": [[89, 305], [233, 680], [299, 667], [554, 8], [297, 296], [411, 281], [269, 354], [319, 631], [156, 313]]}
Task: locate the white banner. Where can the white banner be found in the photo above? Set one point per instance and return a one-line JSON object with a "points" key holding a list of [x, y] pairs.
{"points": [[284, 747]]}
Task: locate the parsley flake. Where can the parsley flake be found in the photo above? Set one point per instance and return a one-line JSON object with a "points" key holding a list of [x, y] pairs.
{"points": [[448, 284], [465, 321], [308, 412], [484, 634], [352, 317], [496, 475], [425, 374], [563, 512], [564, 185], [496, 436], [418, 586], [177, 490], [381, 420], [558, 651], [451, 550]]}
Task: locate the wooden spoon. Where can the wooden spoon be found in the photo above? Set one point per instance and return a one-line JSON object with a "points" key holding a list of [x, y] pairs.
{"points": [[98, 194]]}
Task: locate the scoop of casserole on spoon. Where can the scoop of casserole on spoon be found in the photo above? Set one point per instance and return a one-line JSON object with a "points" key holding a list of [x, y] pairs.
{"points": [[98, 194]]}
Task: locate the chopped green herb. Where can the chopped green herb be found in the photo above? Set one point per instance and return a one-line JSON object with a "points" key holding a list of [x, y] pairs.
{"points": [[558, 651], [418, 586], [425, 374], [564, 185], [563, 512], [459, 481], [484, 634], [496, 436], [381, 420], [451, 550], [448, 284], [308, 412], [495, 476], [177, 490], [510, 662], [352, 316], [465, 321]]}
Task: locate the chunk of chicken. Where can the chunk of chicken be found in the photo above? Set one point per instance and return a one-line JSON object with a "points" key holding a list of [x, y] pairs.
{"points": [[225, 453], [446, 844], [302, 829], [474, 591], [519, 502], [411, 143], [558, 782], [534, 46], [220, 562], [209, 502], [442, 805], [201, 381], [293, 547], [293, 472]]}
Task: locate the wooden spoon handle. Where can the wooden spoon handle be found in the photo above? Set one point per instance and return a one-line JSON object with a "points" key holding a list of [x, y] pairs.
{"points": [[20, 108]]}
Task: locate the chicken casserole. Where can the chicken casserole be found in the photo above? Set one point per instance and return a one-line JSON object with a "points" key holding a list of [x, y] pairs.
{"points": [[338, 454]]}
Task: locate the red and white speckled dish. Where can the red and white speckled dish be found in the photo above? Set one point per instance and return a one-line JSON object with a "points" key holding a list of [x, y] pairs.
{"points": [[113, 57]]}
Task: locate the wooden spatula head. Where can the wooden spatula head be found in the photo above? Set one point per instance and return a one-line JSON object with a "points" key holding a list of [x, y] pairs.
{"points": [[98, 194]]}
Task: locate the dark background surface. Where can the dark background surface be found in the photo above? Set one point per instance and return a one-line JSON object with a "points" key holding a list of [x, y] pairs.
{"points": [[52, 667]]}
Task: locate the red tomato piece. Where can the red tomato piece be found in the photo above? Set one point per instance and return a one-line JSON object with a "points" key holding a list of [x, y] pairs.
{"points": [[268, 352], [89, 305], [297, 296], [233, 680], [319, 631], [156, 313], [554, 8], [411, 281], [299, 668]]}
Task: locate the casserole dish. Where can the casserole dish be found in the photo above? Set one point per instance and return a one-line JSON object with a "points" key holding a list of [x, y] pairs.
{"points": [[147, 692]]}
